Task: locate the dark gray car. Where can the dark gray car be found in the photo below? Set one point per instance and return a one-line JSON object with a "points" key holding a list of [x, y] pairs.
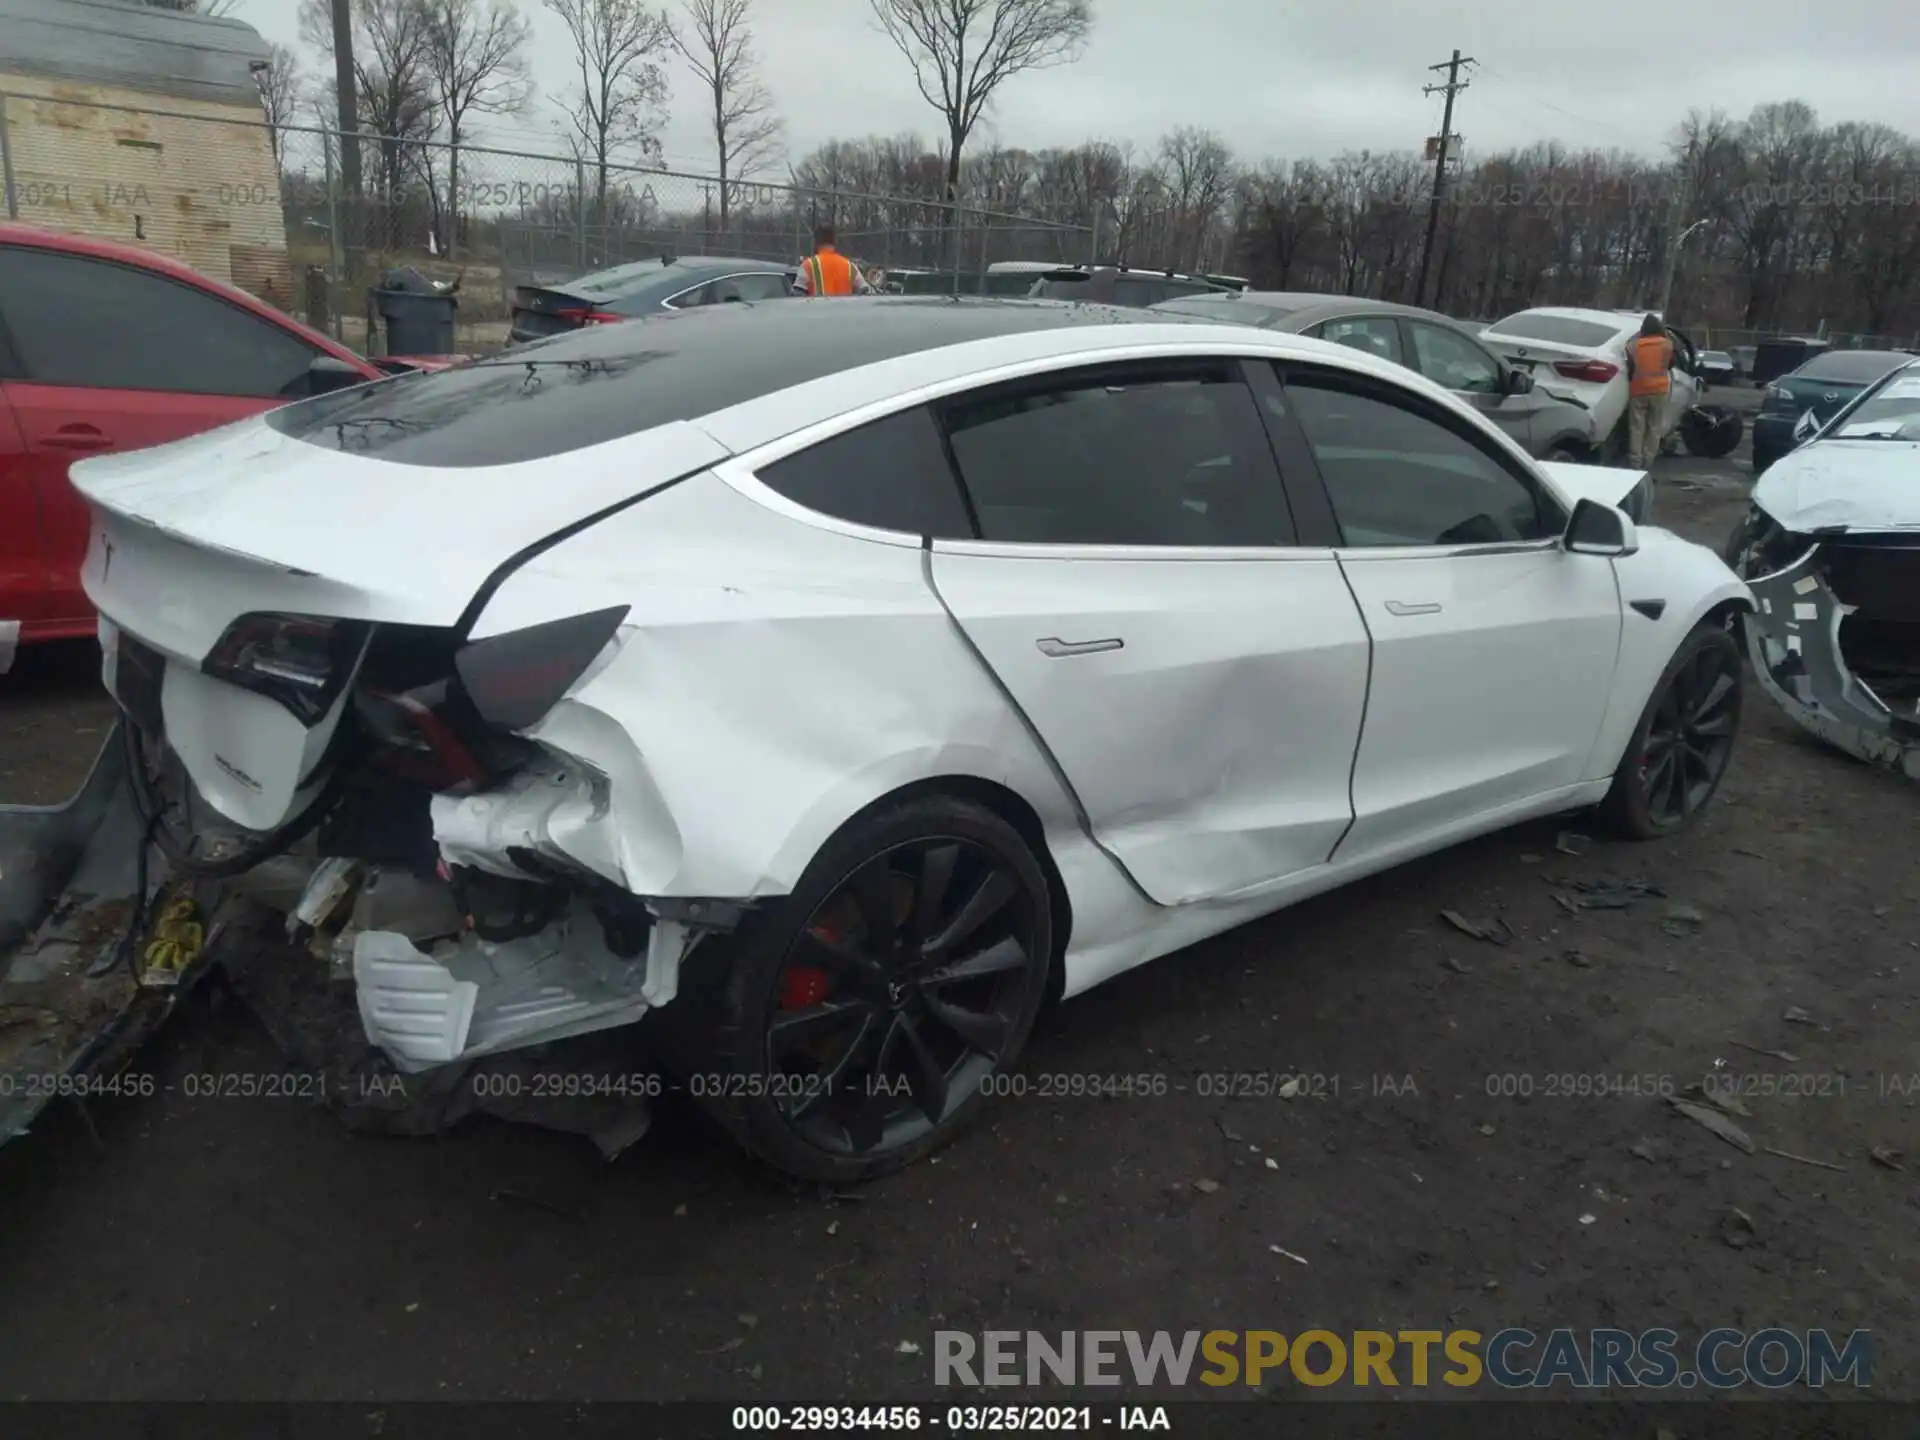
{"points": [[643, 287], [1547, 425]]}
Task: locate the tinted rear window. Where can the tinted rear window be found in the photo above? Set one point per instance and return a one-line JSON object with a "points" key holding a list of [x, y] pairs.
{"points": [[1556, 330], [1850, 367], [598, 384]]}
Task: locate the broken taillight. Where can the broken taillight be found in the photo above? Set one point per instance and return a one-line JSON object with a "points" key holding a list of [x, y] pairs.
{"points": [[581, 315], [514, 679], [1597, 372], [301, 661]]}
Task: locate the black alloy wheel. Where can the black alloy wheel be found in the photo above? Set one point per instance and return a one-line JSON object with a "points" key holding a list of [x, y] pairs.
{"points": [[1684, 742], [867, 1014]]}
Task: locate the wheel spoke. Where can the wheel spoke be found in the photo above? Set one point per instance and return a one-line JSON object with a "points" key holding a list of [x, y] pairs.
{"points": [[996, 959], [1657, 775], [1713, 726], [930, 893], [925, 1077], [798, 1027], [1714, 698], [1676, 785], [839, 956], [983, 1031], [987, 900], [829, 1082], [872, 889]]}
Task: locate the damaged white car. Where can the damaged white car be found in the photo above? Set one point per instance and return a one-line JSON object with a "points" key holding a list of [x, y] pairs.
{"points": [[830, 683], [1831, 546]]}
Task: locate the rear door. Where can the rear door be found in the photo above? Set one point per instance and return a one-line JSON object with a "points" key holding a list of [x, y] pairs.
{"points": [[110, 357], [1197, 675]]}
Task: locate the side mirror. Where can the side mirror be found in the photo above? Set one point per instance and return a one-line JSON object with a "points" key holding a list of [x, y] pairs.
{"points": [[1596, 529], [329, 372], [1519, 382]]}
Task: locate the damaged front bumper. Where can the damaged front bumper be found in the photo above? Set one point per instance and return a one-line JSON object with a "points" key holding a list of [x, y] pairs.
{"points": [[1845, 687]]}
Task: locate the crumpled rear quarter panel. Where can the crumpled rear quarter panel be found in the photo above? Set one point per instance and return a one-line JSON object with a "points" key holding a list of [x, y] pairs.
{"points": [[753, 706]]}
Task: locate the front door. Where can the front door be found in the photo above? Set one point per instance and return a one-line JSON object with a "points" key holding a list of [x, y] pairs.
{"points": [[1493, 649], [1198, 680]]}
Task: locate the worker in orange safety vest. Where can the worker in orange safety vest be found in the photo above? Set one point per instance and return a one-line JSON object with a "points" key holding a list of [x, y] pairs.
{"points": [[1649, 382], [827, 271]]}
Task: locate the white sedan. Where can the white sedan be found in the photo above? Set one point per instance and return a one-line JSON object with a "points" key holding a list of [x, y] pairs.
{"points": [[833, 682]]}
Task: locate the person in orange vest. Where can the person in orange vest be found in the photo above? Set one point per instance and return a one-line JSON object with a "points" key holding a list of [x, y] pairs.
{"points": [[1649, 382], [827, 271]]}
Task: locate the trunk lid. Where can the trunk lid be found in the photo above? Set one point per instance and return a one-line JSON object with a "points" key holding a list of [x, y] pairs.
{"points": [[189, 536], [541, 310]]}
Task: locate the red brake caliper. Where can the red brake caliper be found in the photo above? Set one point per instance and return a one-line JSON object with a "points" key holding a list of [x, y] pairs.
{"points": [[805, 985]]}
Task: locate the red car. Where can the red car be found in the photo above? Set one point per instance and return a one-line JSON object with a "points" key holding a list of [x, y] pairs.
{"points": [[105, 347]]}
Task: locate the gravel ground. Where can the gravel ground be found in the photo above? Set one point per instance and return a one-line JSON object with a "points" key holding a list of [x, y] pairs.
{"points": [[253, 1249]]}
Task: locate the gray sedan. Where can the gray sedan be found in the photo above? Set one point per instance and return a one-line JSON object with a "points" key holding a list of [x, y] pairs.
{"points": [[1548, 425]]}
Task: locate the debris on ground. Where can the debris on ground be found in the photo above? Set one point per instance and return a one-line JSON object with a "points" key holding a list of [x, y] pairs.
{"points": [[1681, 921], [1228, 1131], [1484, 1129], [1887, 1156], [1588, 1218], [1762, 1050], [1452, 962], [1206, 1187], [1289, 1087], [1494, 932], [1645, 1149], [1713, 1120], [1572, 842], [1579, 959], [1805, 1159], [1737, 1228], [1794, 1015], [906, 1347], [1297, 1259], [1601, 894], [1721, 1097]]}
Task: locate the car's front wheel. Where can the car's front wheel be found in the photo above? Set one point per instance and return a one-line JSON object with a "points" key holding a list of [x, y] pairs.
{"points": [[1680, 749], [866, 1018]]}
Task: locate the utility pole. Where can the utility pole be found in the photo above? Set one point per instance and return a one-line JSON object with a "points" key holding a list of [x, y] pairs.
{"points": [[348, 101], [1453, 86]]}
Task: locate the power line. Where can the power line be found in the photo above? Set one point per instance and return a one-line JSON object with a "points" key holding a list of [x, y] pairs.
{"points": [[1453, 86]]}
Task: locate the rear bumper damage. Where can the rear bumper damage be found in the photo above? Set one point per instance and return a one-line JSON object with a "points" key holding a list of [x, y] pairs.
{"points": [[1835, 640]]}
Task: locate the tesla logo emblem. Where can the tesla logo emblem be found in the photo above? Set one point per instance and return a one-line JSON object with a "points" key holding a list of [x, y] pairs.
{"points": [[106, 557]]}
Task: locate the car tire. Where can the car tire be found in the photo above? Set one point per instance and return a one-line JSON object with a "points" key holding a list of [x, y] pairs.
{"points": [[1640, 803], [803, 961], [1567, 455]]}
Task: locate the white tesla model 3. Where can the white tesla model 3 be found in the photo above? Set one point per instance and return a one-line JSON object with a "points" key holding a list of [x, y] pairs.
{"points": [[830, 682]]}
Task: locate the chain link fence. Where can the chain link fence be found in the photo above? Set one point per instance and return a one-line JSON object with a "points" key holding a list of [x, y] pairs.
{"points": [[1723, 338], [270, 208]]}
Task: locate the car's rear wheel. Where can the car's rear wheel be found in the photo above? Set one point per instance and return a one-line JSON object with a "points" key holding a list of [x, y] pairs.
{"points": [[865, 1018], [1680, 749], [1567, 455]]}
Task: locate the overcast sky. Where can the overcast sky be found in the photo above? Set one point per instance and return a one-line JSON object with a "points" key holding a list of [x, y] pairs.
{"points": [[1282, 78]]}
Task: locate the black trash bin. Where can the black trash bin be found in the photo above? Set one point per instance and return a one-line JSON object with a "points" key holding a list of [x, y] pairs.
{"points": [[417, 312]]}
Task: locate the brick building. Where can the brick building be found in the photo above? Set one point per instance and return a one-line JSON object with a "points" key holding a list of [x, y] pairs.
{"points": [[143, 125]]}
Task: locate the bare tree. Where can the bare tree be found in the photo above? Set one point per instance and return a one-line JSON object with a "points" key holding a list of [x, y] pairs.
{"points": [[962, 51], [282, 93], [476, 65], [718, 48], [620, 85]]}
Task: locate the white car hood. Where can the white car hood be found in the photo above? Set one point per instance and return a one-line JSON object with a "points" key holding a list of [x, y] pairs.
{"points": [[1844, 484], [409, 544], [1604, 484]]}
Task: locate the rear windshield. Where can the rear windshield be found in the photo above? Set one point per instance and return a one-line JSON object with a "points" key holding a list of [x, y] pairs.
{"points": [[1850, 367], [1555, 329]]}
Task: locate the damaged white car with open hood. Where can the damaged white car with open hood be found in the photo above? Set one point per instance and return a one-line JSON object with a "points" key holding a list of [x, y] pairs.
{"points": [[1831, 547], [824, 686]]}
